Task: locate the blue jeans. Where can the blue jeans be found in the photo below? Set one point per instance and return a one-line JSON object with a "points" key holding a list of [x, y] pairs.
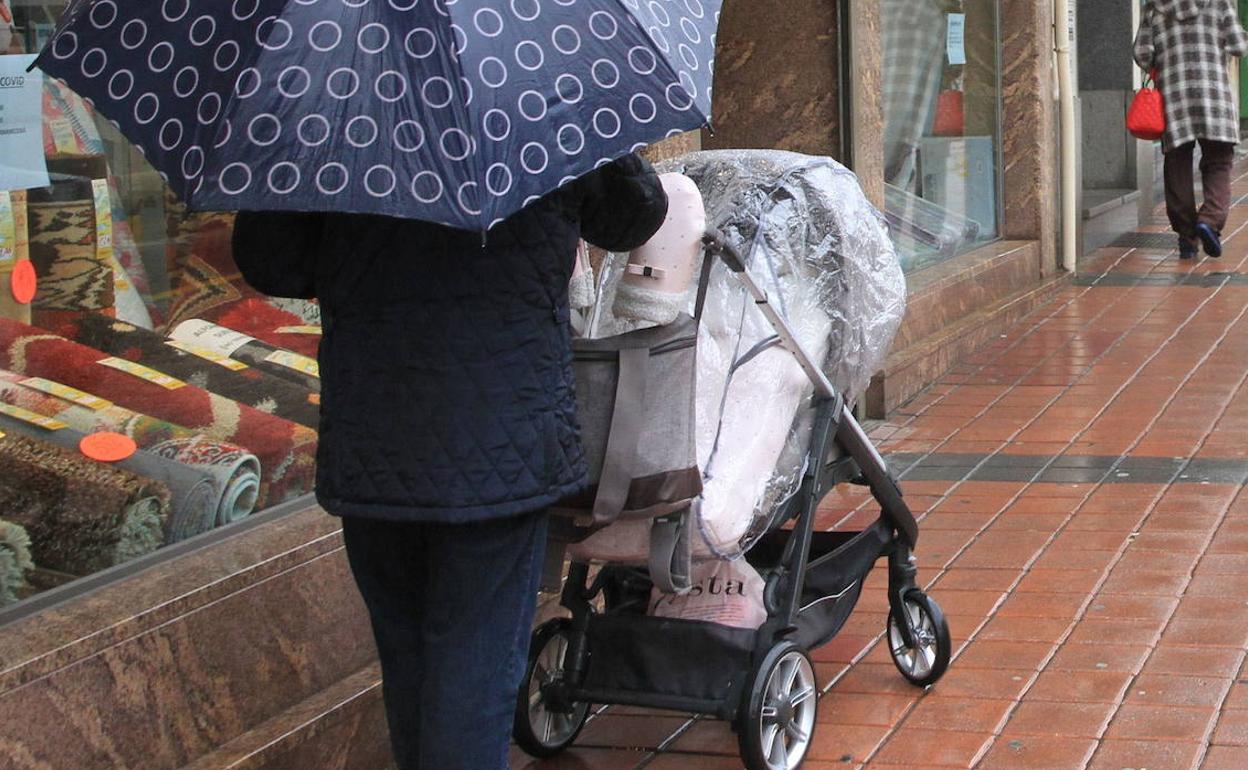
{"points": [[451, 608]]}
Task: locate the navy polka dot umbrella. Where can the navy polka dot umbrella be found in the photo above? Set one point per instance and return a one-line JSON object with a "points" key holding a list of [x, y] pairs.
{"points": [[453, 111]]}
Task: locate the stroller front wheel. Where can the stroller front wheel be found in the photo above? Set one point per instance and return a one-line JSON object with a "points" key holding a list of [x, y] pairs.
{"points": [[777, 722], [544, 726], [923, 661]]}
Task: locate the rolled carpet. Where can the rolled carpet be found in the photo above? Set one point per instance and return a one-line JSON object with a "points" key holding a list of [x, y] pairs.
{"points": [[251, 351], [15, 560], [236, 471], [193, 492], [82, 516], [287, 451], [224, 376]]}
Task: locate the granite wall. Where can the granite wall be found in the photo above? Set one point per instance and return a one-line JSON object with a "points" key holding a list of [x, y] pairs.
{"points": [[776, 77]]}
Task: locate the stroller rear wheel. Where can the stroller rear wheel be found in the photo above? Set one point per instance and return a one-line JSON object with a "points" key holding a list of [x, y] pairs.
{"points": [[775, 727], [544, 725], [924, 660]]}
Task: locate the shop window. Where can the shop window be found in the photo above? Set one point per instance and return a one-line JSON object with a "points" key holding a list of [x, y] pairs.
{"points": [[201, 397], [941, 94]]}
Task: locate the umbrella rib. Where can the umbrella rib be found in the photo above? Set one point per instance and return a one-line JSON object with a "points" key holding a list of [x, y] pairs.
{"points": [[478, 171], [660, 56]]}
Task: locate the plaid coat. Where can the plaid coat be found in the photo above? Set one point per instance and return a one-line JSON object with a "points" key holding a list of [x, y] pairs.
{"points": [[1188, 42]]}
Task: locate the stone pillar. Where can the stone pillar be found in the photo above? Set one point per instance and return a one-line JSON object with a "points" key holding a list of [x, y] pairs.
{"points": [[867, 153], [777, 77], [1029, 127]]}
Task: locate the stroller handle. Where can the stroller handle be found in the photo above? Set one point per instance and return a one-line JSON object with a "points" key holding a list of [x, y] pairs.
{"points": [[717, 246]]}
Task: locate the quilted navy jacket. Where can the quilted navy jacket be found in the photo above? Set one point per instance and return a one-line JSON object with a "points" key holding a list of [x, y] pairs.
{"points": [[447, 390]]}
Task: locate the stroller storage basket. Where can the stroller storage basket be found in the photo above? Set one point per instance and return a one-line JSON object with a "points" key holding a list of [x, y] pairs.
{"points": [[839, 563], [666, 662]]}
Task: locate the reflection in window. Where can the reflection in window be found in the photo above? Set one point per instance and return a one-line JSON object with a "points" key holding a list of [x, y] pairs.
{"points": [[940, 103]]}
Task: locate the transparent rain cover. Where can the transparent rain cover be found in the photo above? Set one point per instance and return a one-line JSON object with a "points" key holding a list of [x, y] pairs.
{"points": [[822, 252]]}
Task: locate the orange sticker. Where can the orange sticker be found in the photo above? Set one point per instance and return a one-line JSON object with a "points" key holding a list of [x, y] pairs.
{"points": [[107, 447], [23, 282]]}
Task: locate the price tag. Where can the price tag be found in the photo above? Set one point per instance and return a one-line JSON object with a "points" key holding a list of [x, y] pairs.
{"points": [[309, 329], [31, 418], [73, 395], [143, 373], [103, 221], [8, 230], [21, 227], [23, 283], [299, 363], [63, 137], [207, 355]]}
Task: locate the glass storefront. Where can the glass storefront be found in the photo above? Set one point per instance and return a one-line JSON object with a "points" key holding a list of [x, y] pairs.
{"points": [[941, 100], [147, 394]]}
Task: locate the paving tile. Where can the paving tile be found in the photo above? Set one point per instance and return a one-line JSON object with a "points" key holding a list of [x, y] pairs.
{"points": [[845, 708], [1004, 655], [984, 683], [1177, 690], [1024, 629], [577, 758], [1126, 606], [629, 732], [943, 712], [692, 762], [1232, 729], [1080, 686], [1027, 752], [1079, 581], [1051, 718], [1034, 605], [1123, 658], [1225, 758], [1217, 662], [958, 578], [933, 747], [874, 678], [1141, 583], [1153, 755], [846, 744], [1160, 723], [707, 736], [1114, 631]]}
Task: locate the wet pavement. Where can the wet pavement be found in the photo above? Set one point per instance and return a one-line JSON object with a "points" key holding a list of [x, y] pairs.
{"points": [[1081, 483]]}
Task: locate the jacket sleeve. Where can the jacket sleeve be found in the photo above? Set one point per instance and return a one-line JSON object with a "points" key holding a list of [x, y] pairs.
{"points": [[622, 204], [277, 252], [1144, 52], [1234, 39]]}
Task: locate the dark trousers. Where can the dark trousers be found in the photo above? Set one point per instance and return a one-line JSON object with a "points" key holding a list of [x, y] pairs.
{"points": [[1215, 171], [451, 608]]}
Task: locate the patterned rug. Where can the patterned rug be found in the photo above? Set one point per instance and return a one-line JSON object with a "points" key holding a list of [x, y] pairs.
{"points": [[82, 516], [224, 376], [285, 449], [235, 471], [74, 277], [207, 285], [15, 561]]}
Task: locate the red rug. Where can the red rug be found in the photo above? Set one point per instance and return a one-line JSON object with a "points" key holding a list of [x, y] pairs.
{"points": [[286, 450]]}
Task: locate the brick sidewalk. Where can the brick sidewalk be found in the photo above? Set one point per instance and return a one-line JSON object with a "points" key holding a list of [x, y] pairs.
{"points": [[1085, 527]]}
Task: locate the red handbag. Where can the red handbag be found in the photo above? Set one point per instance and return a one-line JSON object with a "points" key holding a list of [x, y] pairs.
{"points": [[1147, 117], [950, 117]]}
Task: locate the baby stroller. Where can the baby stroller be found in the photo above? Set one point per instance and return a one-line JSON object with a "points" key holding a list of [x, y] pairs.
{"points": [[611, 651]]}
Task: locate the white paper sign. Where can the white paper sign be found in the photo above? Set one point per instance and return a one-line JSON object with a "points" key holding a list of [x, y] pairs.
{"points": [[22, 164], [956, 39]]}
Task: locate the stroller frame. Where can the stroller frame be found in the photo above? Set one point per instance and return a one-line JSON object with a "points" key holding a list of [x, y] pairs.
{"points": [[763, 680]]}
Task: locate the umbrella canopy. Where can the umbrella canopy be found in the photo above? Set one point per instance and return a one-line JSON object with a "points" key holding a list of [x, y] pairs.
{"points": [[453, 111]]}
